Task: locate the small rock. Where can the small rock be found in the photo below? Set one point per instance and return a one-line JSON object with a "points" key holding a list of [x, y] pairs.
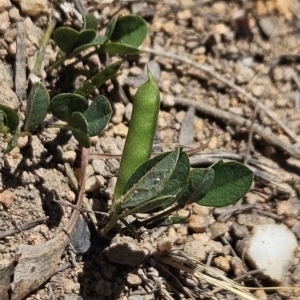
{"points": [[109, 146], [286, 208], [183, 213], [212, 143], [80, 237], [119, 112], [184, 15], [296, 274], [238, 266], [99, 166], [6, 198], [200, 210], [216, 246], [186, 134], [94, 183], [195, 248], [4, 21], [4, 5], [260, 294], [220, 28], [217, 229], [244, 74], [219, 8], [168, 27], [223, 262], [278, 74], [120, 130], [164, 244], [236, 110], [270, 248], [239, 231], [14, 14], [125, 251], [134, 280], [198, 223], [203, 237], [182, 231], [33, 8], [70, 286], [223, 103], [168, 100], [70, 156], [5, 76], [103, 288], [8, 96], [138, 7], [267, 26], [177, 88], [258, 90]]}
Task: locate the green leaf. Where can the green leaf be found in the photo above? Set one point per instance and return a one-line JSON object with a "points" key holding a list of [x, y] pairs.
{"points": [[37, 106], [110, 27], [199, 185], [231, 182], [99, 79], [79, 126], [97, 115], [69, 39], [63, 105], [151, 182], [97, 41], [90, 22], [84, 37], [177, 184], [65, 38], [130, 30], [12, 143], [9, 118], [118, 48]]}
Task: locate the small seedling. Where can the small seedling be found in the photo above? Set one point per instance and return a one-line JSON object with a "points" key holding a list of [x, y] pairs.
{"points": [[165, 183], [123, 36], [162, 184]]}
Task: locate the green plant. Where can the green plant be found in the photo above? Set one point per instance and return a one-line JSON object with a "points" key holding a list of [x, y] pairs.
{"points": [[141, 132], [123, 36], [162, 184], [165, 183]]}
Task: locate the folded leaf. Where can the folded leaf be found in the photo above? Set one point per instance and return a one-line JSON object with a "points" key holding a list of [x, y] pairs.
{"points": [[151, 182], [37, 106], [199, 185], [79, 127]]}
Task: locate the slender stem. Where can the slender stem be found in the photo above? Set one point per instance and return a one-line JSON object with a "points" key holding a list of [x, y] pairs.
{"points": [[110, 225], [40, 57], [161, 215], [57, 125], [56, 65]]}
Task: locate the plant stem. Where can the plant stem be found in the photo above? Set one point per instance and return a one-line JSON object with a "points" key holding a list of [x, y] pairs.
{"points": [[57, 125], [40, 57], [110, 225]]}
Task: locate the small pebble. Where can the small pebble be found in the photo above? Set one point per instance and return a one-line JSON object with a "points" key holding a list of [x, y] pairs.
{"points": [[134, 280], [164, 244], [223, 262], [195, 248], [6, 198], [198, 223]]}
